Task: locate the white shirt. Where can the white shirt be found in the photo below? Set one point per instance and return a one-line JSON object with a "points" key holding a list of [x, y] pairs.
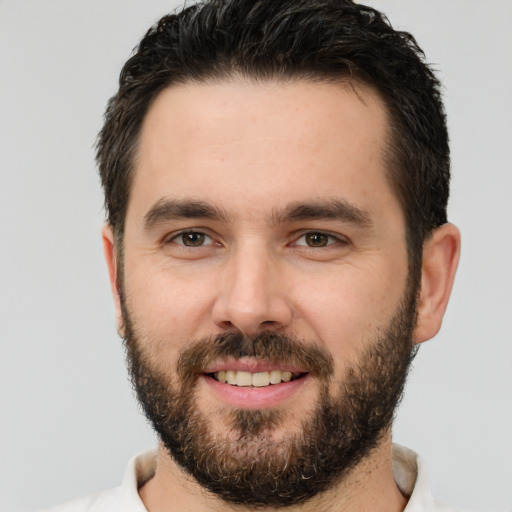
{"points": [[408, 470]]}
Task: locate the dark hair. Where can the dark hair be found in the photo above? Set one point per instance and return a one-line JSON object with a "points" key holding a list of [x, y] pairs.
{"points": [[320, 40]]}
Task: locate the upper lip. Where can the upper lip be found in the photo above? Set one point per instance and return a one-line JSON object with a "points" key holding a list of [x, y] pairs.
{"points": [[251, 366]]}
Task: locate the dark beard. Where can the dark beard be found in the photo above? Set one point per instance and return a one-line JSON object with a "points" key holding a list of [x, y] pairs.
{"points": [[247, 466]]}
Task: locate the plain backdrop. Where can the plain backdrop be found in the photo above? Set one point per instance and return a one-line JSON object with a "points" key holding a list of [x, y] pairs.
{"points": [[68, 421]]}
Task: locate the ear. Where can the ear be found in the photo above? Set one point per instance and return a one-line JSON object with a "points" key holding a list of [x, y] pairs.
{"points": [[109, 250], [440, 259]]}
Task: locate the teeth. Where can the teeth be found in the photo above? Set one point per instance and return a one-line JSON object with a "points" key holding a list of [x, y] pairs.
{"points": [[286, 376], [260, 379], [275, 377], [243, 379], [231, 377]]}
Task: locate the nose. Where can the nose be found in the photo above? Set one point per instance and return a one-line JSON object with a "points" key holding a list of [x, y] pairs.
{"points": [[251, 294]]}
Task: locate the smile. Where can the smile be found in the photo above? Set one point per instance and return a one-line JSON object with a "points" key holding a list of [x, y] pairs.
{"points": [[250, 385], [258, 379]]}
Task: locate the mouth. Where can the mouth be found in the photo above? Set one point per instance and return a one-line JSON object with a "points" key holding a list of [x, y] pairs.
{"points": [[250, 384], [255, 380]]}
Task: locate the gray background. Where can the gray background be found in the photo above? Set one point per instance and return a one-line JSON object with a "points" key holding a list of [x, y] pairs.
{"points": [[68, 421]]}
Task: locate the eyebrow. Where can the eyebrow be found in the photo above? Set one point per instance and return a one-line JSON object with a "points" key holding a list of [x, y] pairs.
{"points": [[335, 209], [165, 210]]}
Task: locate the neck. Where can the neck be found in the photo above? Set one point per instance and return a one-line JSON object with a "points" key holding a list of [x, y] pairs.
{"points": [[370, 486]]}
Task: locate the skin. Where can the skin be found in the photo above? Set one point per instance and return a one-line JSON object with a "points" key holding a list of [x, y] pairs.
{"points": [[254, 151]]}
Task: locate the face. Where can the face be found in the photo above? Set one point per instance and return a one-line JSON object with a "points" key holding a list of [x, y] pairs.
{"points": [[265, 297]]}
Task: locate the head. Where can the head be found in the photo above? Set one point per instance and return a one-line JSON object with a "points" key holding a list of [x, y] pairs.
{"points": [[276, 202]]}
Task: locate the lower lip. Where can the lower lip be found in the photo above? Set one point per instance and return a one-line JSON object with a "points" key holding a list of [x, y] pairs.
{"points": [[253, 397]]}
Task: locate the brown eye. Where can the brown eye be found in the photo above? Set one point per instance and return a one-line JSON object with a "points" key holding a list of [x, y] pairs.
{"points": [[317, 239], [191, 239]]}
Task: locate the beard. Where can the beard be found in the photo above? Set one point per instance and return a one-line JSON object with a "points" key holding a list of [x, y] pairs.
{"points": [[246, 463]]}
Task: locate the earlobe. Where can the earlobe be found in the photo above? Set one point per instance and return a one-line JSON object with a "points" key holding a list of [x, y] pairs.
{"points": [[111, 258], [440, 259]]}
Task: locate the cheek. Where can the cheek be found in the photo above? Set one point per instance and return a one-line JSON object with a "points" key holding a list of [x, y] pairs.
{"points": [[168, 308], [345, 310]]}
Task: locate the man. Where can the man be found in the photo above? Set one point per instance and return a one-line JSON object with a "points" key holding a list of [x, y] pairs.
{"points": [[276, 178]]}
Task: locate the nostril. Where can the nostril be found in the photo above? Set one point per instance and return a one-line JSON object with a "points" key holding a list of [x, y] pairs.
{"points": [[249, 314]]}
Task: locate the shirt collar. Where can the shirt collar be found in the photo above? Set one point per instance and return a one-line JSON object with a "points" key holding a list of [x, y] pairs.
{"points": [[139, 470], [412, 479]]}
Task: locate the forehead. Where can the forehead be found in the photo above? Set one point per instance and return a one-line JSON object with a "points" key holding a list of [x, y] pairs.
{"points": [[243, 143]]}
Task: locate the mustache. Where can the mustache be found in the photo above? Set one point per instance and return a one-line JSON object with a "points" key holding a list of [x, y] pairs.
{"points": [[267, 345]]}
